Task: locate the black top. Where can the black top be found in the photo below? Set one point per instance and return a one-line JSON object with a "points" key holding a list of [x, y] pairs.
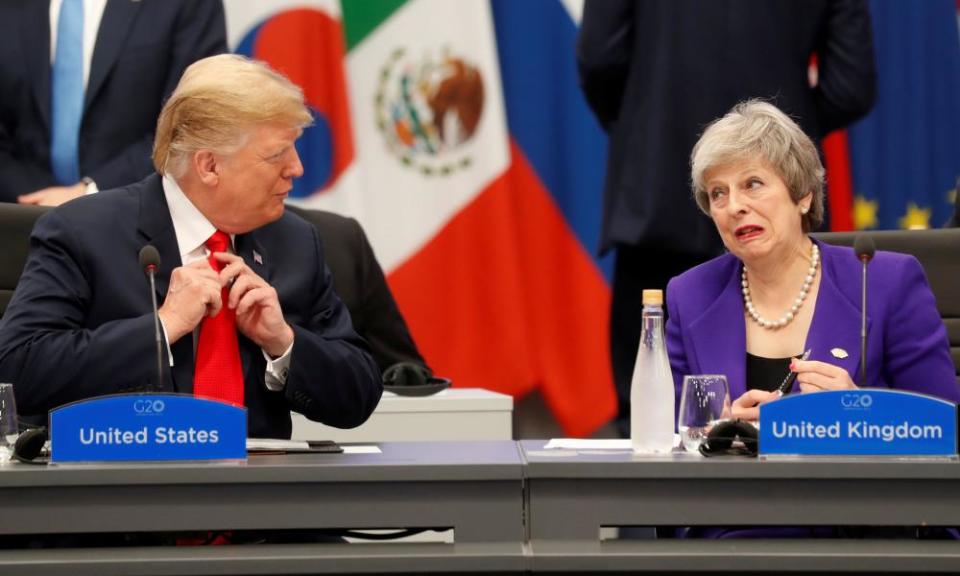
{"points": [[766, 373]]}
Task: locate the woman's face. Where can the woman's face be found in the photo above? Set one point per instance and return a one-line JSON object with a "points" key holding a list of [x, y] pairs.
{"points": [[753, 211]]}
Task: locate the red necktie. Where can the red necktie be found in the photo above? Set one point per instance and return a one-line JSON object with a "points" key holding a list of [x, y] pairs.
{"points": [[218, 374]]}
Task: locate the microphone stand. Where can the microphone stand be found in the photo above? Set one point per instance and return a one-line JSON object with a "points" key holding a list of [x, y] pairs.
{"points": [[863, 324], [156, 327], [864, 248]]}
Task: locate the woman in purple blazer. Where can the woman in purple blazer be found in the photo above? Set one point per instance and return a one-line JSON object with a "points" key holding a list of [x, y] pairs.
{"points": [[752, 312], [777, 293]]}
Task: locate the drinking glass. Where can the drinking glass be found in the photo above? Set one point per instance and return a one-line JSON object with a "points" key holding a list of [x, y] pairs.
{"points": [[8, 422], [704, 401]]}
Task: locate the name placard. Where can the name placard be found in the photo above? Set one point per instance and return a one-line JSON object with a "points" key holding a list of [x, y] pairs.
{"points": [[859, 422], [142, 427]]}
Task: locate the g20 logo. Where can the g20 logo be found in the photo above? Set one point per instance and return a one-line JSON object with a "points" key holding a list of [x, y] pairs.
{"points": [[853, 401], [147, 407]]}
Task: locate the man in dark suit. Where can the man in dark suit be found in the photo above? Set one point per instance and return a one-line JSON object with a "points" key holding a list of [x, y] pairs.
{"points": [[139, 51], [656, 73], [254, 320]]}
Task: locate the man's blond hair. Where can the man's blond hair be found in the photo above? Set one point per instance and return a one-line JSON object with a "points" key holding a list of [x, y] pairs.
{"points": [[217, 102]]}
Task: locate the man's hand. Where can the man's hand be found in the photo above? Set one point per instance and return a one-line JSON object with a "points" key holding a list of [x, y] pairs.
{"points": [[815, 376], [194, 293], [54, 195], [259, 316]]}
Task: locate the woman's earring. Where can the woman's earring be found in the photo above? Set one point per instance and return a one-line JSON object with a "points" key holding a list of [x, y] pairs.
{"points": [[804, 209]]}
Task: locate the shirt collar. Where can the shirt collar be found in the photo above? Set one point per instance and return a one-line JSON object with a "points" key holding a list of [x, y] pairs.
{"points": [[189, 224]]}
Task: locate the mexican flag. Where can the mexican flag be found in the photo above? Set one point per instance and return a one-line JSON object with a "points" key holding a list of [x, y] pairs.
{"points": [[455, 133]]}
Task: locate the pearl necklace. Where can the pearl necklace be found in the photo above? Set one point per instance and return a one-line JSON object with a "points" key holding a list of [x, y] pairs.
{"points": [[791, 314]]}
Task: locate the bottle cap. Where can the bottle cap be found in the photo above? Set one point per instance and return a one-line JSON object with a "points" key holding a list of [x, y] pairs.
{"points": [[653, 297]]}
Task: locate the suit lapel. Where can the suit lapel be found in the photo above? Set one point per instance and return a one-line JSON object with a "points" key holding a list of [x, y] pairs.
{"points": [[719, 337], [249, 248], [36, 52], [115, 26], [156, 228], [834, 335]]}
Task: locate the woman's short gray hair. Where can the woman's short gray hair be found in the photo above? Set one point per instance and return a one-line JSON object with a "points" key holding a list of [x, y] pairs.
{"points": [[757, 129]]}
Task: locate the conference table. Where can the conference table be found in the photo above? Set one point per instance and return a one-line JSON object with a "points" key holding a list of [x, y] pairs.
{"points": [[571, 495], [513, 508], [473, 488]]}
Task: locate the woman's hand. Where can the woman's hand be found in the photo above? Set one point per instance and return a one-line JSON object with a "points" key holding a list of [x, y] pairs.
{"points": [[747, 407], [815, 376]]}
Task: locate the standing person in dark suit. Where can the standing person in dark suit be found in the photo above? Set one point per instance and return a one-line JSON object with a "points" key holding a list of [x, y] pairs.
{"points": [[655, 73], [248, 308], [83, 82]]}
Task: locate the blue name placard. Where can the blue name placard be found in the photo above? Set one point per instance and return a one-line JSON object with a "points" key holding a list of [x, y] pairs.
{"points": [[859, 422], [142, 427]]}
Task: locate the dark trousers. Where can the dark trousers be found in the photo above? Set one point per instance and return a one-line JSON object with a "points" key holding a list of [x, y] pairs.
{"points": [[637, 268]]}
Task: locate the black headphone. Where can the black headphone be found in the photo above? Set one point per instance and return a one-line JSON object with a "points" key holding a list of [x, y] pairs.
{"points": [[29, 445], [721, 437], [406, 374], [412, 379]]}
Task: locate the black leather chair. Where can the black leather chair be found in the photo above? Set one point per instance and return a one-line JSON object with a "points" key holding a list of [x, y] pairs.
{"points": [[16, 222], [357, 277], [939, 253], [360, 283]]}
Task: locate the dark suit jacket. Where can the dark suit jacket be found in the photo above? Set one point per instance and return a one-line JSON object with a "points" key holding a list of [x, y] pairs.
{"points": [[954, 221], [657, 72], [360, 283], [141, 51], [80, 322], [907, 344]]}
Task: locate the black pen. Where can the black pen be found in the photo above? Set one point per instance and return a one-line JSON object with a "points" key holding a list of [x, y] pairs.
{"points": [[787, 383]]}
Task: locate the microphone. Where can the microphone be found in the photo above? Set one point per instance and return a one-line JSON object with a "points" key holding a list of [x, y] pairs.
{"points": [[150, 262], [864, 248]]}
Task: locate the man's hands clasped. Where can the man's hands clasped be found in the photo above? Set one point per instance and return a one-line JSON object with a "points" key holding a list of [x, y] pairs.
{"points": [[195, 292]]}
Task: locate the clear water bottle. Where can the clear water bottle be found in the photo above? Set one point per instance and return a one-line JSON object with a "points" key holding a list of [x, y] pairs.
{"points": [[651, 389]]}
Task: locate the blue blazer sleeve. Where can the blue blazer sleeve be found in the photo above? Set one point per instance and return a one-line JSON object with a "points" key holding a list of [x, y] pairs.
{"points": [[679, 364], [915, 346]]}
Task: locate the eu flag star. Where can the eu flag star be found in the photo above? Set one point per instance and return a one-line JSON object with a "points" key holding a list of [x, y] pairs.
{"points": [[864, 213], [916, 218]]}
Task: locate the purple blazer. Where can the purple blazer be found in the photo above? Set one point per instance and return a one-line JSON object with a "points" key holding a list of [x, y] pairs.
{"points": [[907, 346]]}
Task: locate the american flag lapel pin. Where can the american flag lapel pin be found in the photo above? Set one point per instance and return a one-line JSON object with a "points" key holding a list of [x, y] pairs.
{"points": [[257, 258]]}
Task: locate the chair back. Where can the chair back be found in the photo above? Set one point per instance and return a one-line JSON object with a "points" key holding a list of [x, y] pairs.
{"points": [[16, 223]]}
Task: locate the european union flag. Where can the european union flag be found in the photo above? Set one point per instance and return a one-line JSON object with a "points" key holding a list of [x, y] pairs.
{"points": [[905, 155]]}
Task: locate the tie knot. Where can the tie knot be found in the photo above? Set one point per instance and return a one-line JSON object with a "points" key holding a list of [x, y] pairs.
{"points": [[219, 242]]}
